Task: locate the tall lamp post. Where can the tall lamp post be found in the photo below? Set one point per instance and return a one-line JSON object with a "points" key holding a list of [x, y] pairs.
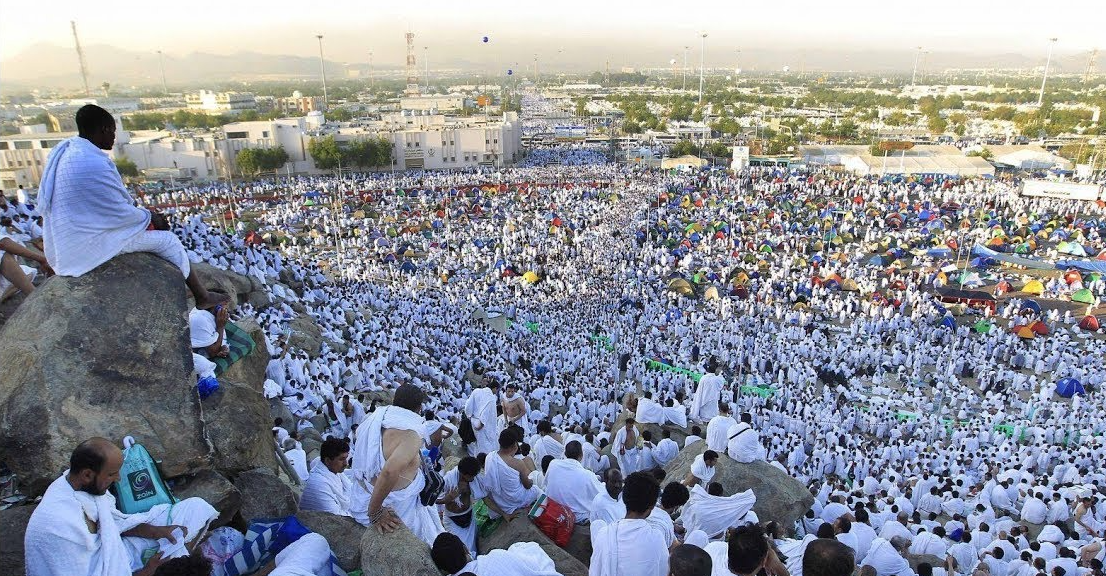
{"points": [[702, 58], [322, 70], [683, 86], [1044, 77], [161, 62]]}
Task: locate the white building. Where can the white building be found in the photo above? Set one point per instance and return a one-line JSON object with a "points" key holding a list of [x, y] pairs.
{"points": [[433, 102], [221, 102], [1027, 158], [928, 160]]}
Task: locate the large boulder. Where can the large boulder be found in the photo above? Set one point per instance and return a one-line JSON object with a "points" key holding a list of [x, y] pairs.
{"points": [[13, 526], [105, 354], [232, 283], [214, 489], [779, 496], [264, 495], [399, 553], [523, 530], [306, 335], [342, 532], [239, 428]]}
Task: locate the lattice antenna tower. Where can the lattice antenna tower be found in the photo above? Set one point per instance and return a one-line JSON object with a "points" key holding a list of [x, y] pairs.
{"points": [[412, 67], [1091, 63], [80, 57]]}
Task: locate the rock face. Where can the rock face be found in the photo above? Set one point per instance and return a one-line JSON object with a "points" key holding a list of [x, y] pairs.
{"points": [[238, 426], [523, 530], [250, 370], [13, 525], [265, 496], [306, 335], [215, 490], [342, 532], [400, 553], [106, 354], [779, 496], [231, 283]]}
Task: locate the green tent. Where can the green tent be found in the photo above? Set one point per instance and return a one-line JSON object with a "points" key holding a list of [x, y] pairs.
{"points": [[983, 327], [1083, 296]]}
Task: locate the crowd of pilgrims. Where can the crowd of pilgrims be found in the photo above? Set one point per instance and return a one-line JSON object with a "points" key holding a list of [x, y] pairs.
{"points": [[556, 284]]}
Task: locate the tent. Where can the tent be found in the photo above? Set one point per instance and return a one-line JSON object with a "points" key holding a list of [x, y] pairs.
{"points": [[948, 322], [850, 285], [1034, 287], [1025, 332], [711, 293], [1031, 306], [1084, 296], [680, 286], [530, 277], [983, 327], [1039, 328], [1068, 387], [1089, 323]]}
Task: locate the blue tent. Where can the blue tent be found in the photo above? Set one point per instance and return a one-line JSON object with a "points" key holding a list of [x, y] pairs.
{"points": [[1069, 387], [939, 252], [876, 261], [948, 322], [407, 267], [1032, 306]]}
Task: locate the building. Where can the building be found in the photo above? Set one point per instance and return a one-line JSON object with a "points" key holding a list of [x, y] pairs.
{"points": [[1027, 158], [220, 102], [299, 105], [919, 160], [433, 103]]}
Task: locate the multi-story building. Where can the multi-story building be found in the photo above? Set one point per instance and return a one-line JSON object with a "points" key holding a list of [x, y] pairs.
{"points": [[220, 102]]}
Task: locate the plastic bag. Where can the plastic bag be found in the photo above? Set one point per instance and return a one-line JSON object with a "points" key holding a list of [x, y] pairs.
{"points": [[140, 486], [553, 519]]}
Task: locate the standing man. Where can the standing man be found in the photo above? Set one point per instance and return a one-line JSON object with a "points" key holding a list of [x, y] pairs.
{"points": [[625, 448], [704, 404], [90, 218], [77, 529], [480, 408], [515, 410], [388, 478]]}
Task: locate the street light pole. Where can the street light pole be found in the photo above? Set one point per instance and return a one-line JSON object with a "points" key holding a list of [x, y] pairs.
{"points": [[426, 67], [702, 59], [914, 75], [161, 62], [1044, 77], [322, 70], [684, 85]]}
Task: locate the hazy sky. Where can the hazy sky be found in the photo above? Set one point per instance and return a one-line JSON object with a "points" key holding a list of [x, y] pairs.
{"points": [[519, 29]]}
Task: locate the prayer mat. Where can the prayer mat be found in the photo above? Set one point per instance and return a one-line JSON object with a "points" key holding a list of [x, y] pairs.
{"points": [[240, 344]]}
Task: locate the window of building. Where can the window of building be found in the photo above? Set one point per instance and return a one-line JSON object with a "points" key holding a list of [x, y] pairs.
{"points": [[452, 158], [495, 141], [49, 143], [4, 146], [22, 144], [418, 144], [234, 135], [264, 133]]}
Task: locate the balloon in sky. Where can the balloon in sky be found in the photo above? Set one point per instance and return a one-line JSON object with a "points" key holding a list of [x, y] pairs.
{"points": [[485, 39], [509, 71]]}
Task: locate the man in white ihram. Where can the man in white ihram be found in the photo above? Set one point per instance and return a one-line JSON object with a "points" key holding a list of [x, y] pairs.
{"points": [[718, 429], [88, 217], [328, 488], [569, 483], [77, 529], [704, 403], [744, 443], [387, 469], [480, 408]]}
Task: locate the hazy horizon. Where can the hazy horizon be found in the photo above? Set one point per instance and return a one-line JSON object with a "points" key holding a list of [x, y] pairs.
{"points": [[585, 33]]}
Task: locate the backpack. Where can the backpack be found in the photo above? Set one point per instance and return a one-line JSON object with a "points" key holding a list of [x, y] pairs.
{"points": [[140, 486], [465, 431]]}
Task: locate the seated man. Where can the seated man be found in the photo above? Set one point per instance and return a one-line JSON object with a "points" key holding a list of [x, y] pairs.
{"points": [[666, 449], [90, 218], [206, 331], [718, 428], [744, 442], [689, 560], [708, 510], [462, 490], [746, 552], [309, 555], [631, 546], [506, 479], [607, 504], [14, 277], [451, 556], [77, 528], [328, 488], [702, 469], [569, 483], [548, 443], [386, 461], [673, 496]]}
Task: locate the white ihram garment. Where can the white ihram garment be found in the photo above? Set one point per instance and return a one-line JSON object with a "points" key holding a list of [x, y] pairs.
{"points": [[715, 514]]}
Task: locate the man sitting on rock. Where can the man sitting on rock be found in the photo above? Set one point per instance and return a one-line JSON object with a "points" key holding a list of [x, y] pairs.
{"points": [[507, 479], [702, 469], [307, 556], [328, 487], [744, 443], [607, 504], [462, 490], [451, 556], [90, 218], [77, 529], [14, 277], [631, 546], [569, 483], [388, 478]]}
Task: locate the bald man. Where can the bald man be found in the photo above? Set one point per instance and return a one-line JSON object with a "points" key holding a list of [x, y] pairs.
{"points": [[77, 529]]}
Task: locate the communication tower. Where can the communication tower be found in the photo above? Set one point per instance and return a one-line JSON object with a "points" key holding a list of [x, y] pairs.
{"points": [[80, 58], [412, 67]]}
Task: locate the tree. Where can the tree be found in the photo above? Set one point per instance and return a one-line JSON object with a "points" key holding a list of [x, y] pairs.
{"points": [[631, 127], [339, 115], [896, 118], [126, 167], [581, 107], [325, 152], [683, 148], [984, 153], [248, 161], [719, 150], [937, 124]]}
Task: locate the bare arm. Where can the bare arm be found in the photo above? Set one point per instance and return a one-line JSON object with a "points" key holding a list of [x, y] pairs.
{"points": [[16, 249], [690, 481], [523, 475]]}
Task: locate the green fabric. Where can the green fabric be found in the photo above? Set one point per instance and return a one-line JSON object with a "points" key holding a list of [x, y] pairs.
{"points": [[485, 526], [762, 391], [240, 344], [603, 341], [657, 365]]}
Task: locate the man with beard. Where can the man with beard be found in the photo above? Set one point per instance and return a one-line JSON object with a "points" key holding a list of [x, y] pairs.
{"points": [[77, 529]]}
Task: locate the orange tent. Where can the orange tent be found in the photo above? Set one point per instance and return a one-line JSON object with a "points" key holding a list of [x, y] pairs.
{"points": [[1089, 323], [1039, 328], [1025, 333]]}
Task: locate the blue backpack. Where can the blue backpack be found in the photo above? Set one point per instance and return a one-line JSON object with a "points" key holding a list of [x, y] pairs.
{"points": [[140, 486]]}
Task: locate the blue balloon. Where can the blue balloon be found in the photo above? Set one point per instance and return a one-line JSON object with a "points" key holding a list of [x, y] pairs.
{"points": [[509, 71], [485, 39]]}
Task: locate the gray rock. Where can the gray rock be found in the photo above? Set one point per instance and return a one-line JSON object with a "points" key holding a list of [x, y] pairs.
{"points": [[13, 526], [232, 283], [105, 354], [265, 496], [306, 335], [400, 553], [239, 428], [579, 546], [342, 532], [278, 409], [523, 530], [213, 488], [779, 497]]}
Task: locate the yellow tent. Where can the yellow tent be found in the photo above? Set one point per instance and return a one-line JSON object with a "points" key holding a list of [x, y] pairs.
{"points": [[1026, 333], [530, 277], [680, 286], [850, 286], [711, 293], [1034, 287]]}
